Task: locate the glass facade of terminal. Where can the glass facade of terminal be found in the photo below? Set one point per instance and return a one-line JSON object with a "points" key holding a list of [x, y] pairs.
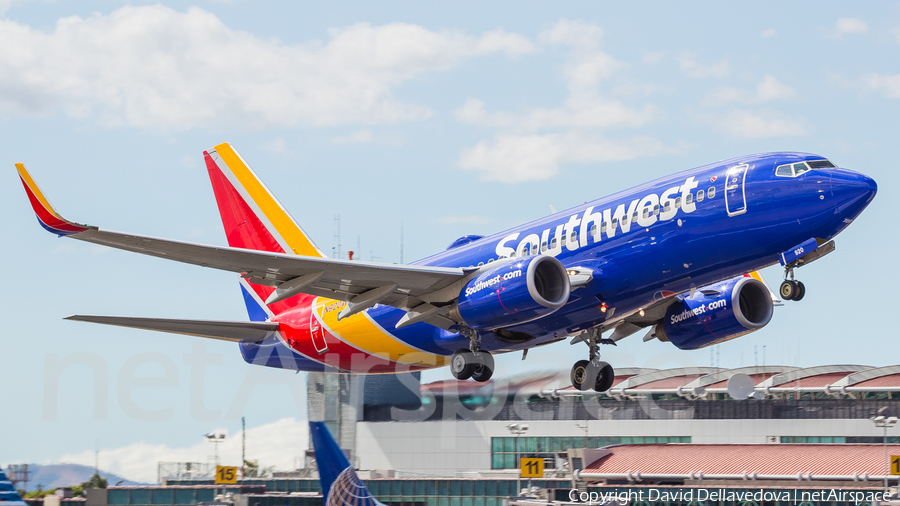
{"points": [[504, 452]]}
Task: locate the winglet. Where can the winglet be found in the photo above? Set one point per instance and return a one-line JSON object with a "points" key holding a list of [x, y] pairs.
{"points": [[46, 215]]}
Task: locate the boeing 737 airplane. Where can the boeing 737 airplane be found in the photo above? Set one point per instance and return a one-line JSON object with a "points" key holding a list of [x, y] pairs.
{"points": [[8, 494], [677, 256]]}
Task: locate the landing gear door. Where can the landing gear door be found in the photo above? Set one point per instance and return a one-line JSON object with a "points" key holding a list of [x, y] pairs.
{"points": [[735, 196]]}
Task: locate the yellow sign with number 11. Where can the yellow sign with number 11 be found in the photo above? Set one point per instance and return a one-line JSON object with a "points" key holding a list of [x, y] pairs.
{"points": [[531, 468]]}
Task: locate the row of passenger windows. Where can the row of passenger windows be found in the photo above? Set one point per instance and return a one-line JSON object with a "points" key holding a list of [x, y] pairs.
{"points": [[532, 249], [604, 226], [795, 169]]}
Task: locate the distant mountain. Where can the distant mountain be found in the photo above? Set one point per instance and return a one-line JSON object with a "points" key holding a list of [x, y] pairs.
{"points": [[52, 476]]}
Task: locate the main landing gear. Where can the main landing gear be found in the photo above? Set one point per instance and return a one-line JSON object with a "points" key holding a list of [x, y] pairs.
{"points": [[471, 362], [791, 289], [592, 374]]}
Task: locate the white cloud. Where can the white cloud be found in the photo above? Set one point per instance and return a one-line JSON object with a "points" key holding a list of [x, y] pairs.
{"points": [[276, 146], [357, 137], [851, 26], [769, 32], [519, 152], [693, 68], [768, 89], [758, 124], [469, 219], [155, 67], [275, 444], [573, 33], [518, 158], [578, 111], [887, 84]]}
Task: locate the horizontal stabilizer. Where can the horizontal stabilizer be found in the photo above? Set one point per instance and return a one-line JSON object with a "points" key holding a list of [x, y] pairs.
{"points": [[212, 329]]}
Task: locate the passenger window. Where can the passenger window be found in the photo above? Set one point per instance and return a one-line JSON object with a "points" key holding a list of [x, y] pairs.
{"points": [[615, 221], [490, 260], [574, 237], [553, 243], [593, 230], [711, 193], [656, 208], [668, 206], [646, 212], [480, 264], [677, 202], [688, 199], [699, 195], [544, 246], [603, 227]]}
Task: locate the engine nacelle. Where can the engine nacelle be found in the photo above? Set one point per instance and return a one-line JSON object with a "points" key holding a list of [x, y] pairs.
{"points": [[514, 291], [717, 313]]}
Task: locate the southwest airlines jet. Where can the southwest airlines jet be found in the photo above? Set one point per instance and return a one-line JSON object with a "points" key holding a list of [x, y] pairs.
{"points": [[676, 256]]}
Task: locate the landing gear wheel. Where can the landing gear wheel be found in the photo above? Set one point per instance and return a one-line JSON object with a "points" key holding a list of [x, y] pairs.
{"points": [[605, 377], [484, 366], [789, 289], [801, 290], [462, 364], [579, 375]]}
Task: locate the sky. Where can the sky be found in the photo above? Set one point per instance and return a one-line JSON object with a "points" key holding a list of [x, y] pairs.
{"points": [[414, 123]]}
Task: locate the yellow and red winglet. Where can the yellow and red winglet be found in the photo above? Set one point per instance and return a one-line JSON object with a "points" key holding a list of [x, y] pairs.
{"points": [[46, 215]]}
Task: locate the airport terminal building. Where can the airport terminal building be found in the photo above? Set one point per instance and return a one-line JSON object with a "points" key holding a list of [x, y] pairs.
{"points": [[456, 428]]}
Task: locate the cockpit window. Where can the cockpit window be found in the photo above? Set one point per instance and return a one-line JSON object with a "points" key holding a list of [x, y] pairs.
{"points": [[795, 169], [820, 164], [800, 168]]}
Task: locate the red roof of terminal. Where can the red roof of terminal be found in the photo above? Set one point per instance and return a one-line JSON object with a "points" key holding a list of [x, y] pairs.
{"points": [[818, 459]]}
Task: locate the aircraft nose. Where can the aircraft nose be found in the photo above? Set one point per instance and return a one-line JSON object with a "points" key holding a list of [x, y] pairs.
{"points": [[853, 190]]}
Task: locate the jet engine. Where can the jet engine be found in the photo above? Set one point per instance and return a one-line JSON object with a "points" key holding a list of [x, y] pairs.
{"points": [[513, 291], [717, 313]]}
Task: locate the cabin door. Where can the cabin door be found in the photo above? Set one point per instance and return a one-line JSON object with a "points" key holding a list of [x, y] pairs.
{"points": [[735, 196]]}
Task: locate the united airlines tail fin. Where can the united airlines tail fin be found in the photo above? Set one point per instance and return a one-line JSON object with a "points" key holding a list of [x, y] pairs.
{"points": [[8, 494], [340, 484], [252, 216]]}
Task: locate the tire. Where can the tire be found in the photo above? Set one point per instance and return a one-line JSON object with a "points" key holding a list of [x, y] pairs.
{"points": [[605, 378], [579, 374], [801, 291], [484, 366], [462, 364], [787, 290]]}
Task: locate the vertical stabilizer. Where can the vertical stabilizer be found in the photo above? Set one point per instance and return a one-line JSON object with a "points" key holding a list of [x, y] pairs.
{"points": [[340, 484], [8, 494], [252, 216]]}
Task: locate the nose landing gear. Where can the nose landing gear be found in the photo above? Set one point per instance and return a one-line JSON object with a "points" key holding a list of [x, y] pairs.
{"points": [[471, 362], [592, 374]]}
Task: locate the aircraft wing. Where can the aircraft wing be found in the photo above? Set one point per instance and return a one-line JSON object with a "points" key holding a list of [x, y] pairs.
{"points": [[212, 329], [361, 284]]}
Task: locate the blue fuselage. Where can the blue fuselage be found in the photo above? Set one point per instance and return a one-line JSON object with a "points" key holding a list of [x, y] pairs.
{"points": [[686, 230]]}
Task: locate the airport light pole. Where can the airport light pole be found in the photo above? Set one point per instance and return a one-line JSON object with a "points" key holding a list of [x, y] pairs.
{"points": [[215, 438], [518, 429], [885, 423]]}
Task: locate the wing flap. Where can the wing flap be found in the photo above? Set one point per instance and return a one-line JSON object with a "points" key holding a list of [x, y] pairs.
{"points": [[211, 329]]}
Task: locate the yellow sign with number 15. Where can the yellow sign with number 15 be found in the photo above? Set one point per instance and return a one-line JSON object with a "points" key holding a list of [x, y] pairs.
{"points": [[226, 475]]}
